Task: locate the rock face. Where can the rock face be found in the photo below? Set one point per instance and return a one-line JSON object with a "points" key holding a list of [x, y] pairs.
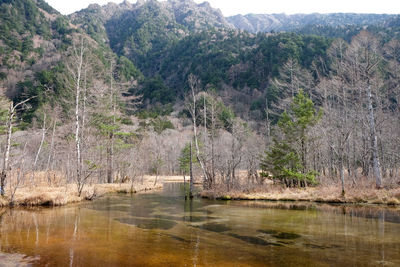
{"points": [[196, 16], [280, 22]]}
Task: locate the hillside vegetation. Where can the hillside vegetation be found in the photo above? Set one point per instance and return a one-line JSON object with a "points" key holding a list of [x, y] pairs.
{"points": [[113, 93]]}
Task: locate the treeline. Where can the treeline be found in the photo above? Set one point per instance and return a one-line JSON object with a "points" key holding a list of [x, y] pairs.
{"points": [[298, 110], [84, 134], [341, 127], [358, 134], [223, 58]]}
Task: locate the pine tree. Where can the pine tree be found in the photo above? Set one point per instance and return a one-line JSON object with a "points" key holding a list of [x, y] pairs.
{"points": [[287, 158]]}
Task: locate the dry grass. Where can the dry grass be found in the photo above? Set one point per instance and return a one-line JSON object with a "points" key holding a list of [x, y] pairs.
{"points": [[58, 196], [41, 194], [329, 191], [325, 194]]}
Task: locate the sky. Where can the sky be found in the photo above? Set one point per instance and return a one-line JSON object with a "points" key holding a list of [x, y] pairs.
{"points": [[233, 7]]}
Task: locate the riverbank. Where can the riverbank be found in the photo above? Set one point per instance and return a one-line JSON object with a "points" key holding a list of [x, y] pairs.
{"points": [[43, 195], [321, 194]]}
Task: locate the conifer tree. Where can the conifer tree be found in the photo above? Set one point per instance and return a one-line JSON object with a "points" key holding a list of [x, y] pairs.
{"points": [[287, 158]]}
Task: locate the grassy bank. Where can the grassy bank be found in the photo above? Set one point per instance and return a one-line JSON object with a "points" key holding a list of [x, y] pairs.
{"points": [[58, 195], [323, 194]]}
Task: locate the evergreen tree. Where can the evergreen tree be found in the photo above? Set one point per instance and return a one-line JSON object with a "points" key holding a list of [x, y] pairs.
{"points": [[287, 158], [184, 159]]}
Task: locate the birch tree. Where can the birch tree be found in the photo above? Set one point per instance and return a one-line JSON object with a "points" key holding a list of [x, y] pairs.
{"points": [[194, 84], [9, 126], [77, 70]]}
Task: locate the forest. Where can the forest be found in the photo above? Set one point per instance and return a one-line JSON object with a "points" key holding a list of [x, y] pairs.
{"points": [[93, 104], [162, 133]]}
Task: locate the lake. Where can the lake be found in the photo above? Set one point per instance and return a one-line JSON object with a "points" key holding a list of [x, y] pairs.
{"points": [[162, 229]]}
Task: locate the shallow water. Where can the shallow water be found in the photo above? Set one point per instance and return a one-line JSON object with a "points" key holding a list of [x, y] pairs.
{"points": [[161, 229]]}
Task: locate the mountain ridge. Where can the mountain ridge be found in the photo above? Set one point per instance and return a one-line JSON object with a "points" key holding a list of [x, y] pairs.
{"points": [[163, 42], [255, 23], [197, 16]]}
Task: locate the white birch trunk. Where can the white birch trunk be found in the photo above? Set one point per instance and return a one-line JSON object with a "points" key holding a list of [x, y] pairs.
{"points": [[7, 150], [195, 137]]}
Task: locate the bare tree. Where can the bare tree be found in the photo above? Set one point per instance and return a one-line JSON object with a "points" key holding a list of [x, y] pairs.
{"points": [[39, 150], [20, 174], [194, 84], [110, 148], [6, 163], [363, 58], [50, 156], [77, 68], [337, 102], [292, 77]]}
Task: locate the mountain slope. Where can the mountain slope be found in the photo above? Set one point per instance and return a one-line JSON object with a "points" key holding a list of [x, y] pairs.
{"points": [[32, 36], [146, 30], [169, 40], [35, 41]]}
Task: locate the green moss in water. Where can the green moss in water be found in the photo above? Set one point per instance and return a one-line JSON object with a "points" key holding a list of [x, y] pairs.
{"points": [[268, 231], [254, 240], [178, 238], [168, 217], [283, 235], [315, 246], [214, 227], [186, 218], [197, 218], [148, 223]]}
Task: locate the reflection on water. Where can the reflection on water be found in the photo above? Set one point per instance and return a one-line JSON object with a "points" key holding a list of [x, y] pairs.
{"points": [[161, 229]]}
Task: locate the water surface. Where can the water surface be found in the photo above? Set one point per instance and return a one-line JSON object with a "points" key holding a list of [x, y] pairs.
{"points": [[162, 229]]}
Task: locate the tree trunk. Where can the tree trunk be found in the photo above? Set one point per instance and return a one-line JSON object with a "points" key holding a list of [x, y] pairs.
{"points": [[155, 181], [39, 149], [110, 163], [3, 175], [191, 172], [341, 171], [193, 83], [374, 141], [77, 121], [110, 149], [212, 176], [6, 159], [50, 152]]}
